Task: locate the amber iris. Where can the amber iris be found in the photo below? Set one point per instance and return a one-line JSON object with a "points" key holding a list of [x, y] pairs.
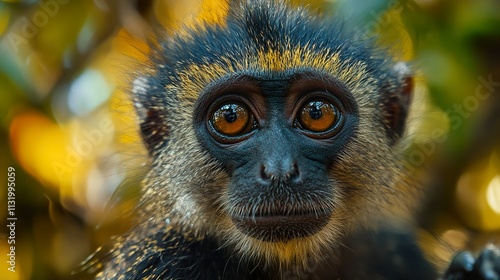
{"points": [[317, 115], [231, 119]]}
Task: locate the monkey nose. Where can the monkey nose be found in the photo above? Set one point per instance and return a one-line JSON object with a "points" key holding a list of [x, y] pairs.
{"points": [[285, 171]]}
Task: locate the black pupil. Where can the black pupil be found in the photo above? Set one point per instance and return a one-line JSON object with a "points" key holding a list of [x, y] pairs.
{"points": [[230, 114], [315, 111]]}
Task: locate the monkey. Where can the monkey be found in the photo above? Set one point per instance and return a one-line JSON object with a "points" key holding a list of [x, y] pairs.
{"points": [[275, 139]]}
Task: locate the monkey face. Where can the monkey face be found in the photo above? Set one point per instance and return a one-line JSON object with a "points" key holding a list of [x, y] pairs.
{"points": [[277, 138], [293, 139], [285, 153]]}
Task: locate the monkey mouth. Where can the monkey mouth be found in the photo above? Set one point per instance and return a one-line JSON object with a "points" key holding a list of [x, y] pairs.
{"points": [[280, 227]]}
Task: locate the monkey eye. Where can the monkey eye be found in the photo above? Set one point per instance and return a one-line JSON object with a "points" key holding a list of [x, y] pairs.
{"points": [[318, 118], [317, 115], [232, 119]]}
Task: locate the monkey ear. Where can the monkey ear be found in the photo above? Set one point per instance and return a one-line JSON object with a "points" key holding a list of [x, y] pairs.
{"points": [[151, 114], [397, 101]]}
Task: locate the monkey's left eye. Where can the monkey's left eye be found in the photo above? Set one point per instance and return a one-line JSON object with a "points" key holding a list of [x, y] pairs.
{"points": [[232, 119], [317, 115], [318, 118]]}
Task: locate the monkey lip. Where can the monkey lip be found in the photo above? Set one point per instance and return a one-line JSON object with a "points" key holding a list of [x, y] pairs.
{"points": [[282, 227]]}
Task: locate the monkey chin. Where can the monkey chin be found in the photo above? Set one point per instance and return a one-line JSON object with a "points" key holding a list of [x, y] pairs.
{"points": [[295, 243]]}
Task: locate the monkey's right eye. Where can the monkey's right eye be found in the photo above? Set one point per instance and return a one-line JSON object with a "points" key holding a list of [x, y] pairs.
{"points": [[318, 115], [232, 119]]}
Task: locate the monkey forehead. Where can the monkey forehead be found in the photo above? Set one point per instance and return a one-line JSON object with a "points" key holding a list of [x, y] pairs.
{"points": [[195, 78]]}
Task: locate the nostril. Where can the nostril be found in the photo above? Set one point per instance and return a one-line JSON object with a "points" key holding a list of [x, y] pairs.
{"points": [[295, 172], [263, 173]]}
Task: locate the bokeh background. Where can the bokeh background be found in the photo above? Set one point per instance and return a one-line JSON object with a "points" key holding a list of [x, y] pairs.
{"points": [[68, 129]]}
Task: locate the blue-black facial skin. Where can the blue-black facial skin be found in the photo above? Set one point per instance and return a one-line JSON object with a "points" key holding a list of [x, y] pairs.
{"points": [[278, 168], [276, 133]]}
